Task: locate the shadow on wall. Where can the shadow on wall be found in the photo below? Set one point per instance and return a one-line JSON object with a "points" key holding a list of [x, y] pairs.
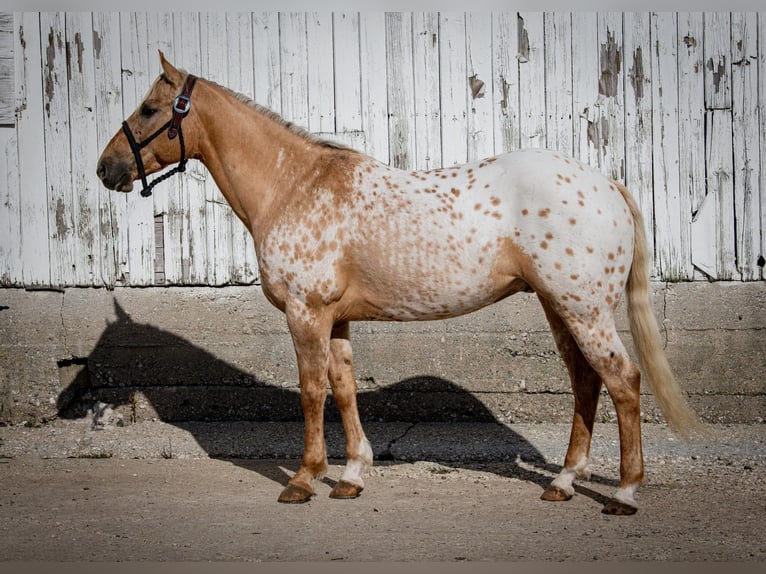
{"points": [[135, 365]]}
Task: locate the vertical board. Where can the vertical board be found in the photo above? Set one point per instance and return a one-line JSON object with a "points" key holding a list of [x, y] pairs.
{"points": [[137, 213], [531, 57], [108, 110], [321, 73], [453, 85], [425, 53], [266, 60], [161, 30], [585, 81], [61, 204], [747, 166], [215, 42], [7, 48], [558, 79], [671, 207], [348, 97], [762, 131], [611, 91], [193, 237], [33, 203], [401, 98], [294, 67], [506, 81], [479, 70], [244, 264], [717, 60], [372, 64], [638, 119], [10, 220], [84, 151]]}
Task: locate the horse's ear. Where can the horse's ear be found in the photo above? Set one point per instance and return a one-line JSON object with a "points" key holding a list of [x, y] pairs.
{"points": [[170, 72]]}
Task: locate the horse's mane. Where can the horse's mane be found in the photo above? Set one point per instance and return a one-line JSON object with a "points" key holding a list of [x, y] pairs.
{"points": [[274, 116]]}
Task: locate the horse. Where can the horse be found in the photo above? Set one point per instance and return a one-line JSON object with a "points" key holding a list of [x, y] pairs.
{"points": [[342, 237]]}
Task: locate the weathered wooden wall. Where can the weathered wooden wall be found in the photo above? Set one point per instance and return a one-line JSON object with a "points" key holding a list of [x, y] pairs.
{"points": [[673, 104]]}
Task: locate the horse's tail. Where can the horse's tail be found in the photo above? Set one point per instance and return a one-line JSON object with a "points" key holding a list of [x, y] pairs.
{"points": [[646, 335]]}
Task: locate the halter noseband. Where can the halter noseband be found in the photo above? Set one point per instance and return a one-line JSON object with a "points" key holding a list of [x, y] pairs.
{"points": [[181, 107]]}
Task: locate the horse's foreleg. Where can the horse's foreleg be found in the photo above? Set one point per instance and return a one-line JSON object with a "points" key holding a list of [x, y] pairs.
{"points": [[311, 337], [586, 386], [343, 383]]}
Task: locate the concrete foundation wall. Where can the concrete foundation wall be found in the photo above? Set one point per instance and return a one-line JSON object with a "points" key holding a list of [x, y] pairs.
{"points": [[225, 354]]}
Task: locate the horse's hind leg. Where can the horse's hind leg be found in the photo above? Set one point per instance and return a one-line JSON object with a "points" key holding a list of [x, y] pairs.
{"points": [[343, 383], [597, 338], [586, 386]]}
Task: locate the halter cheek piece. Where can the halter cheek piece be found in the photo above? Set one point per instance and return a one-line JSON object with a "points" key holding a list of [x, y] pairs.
{"points": [[181, 107]]}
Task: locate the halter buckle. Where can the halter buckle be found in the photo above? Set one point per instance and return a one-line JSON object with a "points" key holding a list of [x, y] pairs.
{"points": [[182, 99]]}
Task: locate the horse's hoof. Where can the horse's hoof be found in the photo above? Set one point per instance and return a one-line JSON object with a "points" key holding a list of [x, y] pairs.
{"points": [[555, 494], [295, 494], [617, 508], [344, 489]]}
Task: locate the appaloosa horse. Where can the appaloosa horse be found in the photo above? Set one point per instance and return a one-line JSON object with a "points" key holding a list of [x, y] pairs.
{"points": [[341, 237]]}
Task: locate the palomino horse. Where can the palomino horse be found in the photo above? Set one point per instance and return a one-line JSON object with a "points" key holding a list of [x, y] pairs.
{"points": [[341, 237]]}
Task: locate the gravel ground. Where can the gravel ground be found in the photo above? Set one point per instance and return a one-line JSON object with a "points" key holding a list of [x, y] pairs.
{"points": [[91, 490]]}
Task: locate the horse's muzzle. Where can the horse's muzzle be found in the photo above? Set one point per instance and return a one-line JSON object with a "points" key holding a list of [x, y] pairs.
{"points": [[115, 175]]}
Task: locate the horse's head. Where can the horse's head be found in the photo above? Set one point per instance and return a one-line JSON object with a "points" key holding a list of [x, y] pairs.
{"points": [[150, 138]]}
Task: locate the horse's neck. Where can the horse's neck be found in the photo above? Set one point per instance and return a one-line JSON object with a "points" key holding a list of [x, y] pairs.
{"points": [[255, 161]]}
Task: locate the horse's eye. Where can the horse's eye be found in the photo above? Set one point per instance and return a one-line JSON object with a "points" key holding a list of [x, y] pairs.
{"points": [[147, 111]]}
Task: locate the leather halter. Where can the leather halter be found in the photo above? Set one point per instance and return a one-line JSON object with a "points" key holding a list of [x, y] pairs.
{"points": [[181, 107]]}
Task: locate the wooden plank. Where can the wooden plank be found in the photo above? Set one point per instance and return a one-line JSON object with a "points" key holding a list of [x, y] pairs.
{"points": [[372, 34], [611, 141], [84, 192], [638, 119], [762, 129], [294, 67], [453, 85], [713, 228], [33, 203], [108, 111], [717, 49], [193, 191], [7, 87], [10, 211], [348, 86], [425, 46], [321, 74], [585, 81], [161, 30], [61, 226], [558, 77], [672, 247], [691, 107], [139, 211], [531, 58], [401, 98], [479, 69], [506, 81], [241, 79], [747, 166], [214, 36], [266, 60]]}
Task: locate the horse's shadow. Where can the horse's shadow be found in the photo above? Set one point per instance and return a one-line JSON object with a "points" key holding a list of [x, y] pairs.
{"points": [[193, 377]]}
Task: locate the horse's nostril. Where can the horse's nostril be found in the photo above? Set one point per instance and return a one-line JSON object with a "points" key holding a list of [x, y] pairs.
{"points": [[101, 170]]}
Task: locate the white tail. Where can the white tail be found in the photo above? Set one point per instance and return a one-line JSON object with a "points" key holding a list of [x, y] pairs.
{"points": [[646, 336]]}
